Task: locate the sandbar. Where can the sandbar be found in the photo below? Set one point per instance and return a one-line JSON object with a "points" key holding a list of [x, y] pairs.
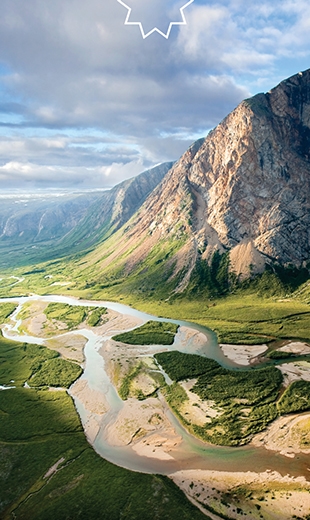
{"points": [[243, 354], [266, 495]]}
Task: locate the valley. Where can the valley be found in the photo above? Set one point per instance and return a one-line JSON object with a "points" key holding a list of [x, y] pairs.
{"points": [[139, 432], [40, 225], [158, 333]]}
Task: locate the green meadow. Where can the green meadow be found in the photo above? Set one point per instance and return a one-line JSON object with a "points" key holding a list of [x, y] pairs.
{"points": [[6, 309], [40, 428], [36, 365], [73, 315], [263, 311]]}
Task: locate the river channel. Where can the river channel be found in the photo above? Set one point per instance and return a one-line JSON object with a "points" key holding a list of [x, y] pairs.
{"points": [[191, 453]]}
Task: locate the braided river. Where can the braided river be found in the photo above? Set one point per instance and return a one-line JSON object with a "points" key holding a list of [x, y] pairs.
{"points": [[191, 452]]}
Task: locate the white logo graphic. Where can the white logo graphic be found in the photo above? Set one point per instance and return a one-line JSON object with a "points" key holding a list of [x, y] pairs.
{"points": [[145, 14]]}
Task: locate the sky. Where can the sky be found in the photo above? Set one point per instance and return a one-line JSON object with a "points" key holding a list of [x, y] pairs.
{"points": [[86, 101]]}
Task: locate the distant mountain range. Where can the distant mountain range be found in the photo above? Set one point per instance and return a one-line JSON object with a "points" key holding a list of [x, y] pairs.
{"points": [[42, 226]]}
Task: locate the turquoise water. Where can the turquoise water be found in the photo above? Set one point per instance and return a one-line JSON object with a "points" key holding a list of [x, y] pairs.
{"points": [[192, 453]]}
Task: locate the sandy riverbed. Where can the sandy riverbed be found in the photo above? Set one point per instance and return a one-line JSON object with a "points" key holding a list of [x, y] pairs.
{"points": [[192, 337], [145, 426], [95, 406], [243, 354], [265, 495], [115, 324], [289, 435], [70, 346], [296, 347]]}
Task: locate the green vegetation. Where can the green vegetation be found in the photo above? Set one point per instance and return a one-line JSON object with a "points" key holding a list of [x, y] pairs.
{"points": [[36, 364], [212, 278], [151, 333], [175, 396], [24, 402], [56, 372], [19, 362], [247, 400], [124, 389], [281, 354], [39, 428], [95, 316], [296, 398], [252, 386], [137, 377], [143, 280], [261, 310], [181, 366], [248, 319], [6, 309], [74, 315]]}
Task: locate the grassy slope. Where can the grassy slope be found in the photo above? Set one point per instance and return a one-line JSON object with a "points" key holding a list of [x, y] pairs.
{"points": [[239, 318], [244, 317], [85, 486]]}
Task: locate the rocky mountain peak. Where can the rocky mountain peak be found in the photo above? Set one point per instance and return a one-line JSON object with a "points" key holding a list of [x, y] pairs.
{"points": [[250, 178]]}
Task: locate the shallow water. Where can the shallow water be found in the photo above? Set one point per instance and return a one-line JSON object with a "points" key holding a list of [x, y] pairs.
{"points": [[192, 453]]}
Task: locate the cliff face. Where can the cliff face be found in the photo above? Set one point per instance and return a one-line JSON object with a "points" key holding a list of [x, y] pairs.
{"points": [[253, 173], [244, 188]]}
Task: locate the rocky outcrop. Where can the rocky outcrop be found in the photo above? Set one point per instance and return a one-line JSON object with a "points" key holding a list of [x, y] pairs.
{"points": [[245, 188]]}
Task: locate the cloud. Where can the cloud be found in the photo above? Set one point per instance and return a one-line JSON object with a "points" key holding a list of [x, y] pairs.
{"points": [[81, 92], [29, 175]]}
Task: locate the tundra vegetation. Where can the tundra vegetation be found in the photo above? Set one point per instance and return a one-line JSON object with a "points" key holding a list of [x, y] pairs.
{"points": [[36, 365], [246, 400], [40, 429], [6, 309], [127, 375], [74, 315], [267, 309], [151, 333]]}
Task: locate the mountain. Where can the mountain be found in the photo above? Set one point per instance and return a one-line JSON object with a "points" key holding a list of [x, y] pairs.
{"points": [[235, 201], [45, 225]]}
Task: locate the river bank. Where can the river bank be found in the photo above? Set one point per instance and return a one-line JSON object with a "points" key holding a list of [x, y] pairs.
{"points": [[144, 435]]}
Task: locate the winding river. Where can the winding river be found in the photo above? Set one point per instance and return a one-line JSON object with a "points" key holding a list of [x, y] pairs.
{"points": [[191, 453]]}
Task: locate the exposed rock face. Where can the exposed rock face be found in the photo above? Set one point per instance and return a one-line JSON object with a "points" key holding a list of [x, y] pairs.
{"points": [[244, 188]]}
